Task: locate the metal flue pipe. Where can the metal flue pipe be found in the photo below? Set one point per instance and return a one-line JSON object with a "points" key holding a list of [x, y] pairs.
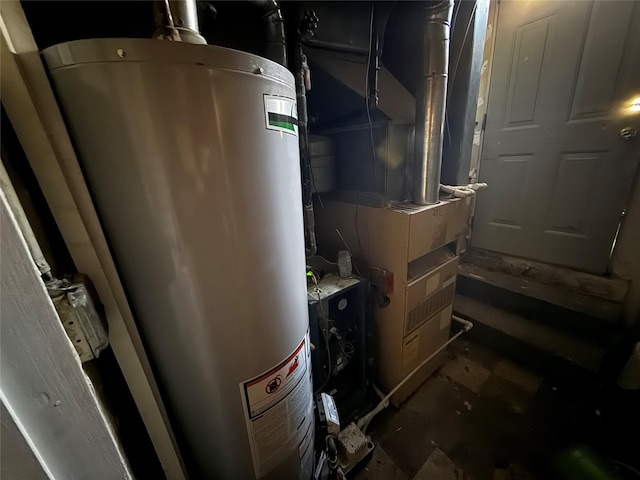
{"points": [[177, 20], [431, 94], [276, 44]]}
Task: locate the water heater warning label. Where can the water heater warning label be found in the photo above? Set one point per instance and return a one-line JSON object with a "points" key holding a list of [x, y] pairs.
{"points": [[281, 114], [279, 410]]}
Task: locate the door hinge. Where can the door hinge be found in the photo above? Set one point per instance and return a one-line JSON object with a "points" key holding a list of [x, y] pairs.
{"points": [[484, 122]]}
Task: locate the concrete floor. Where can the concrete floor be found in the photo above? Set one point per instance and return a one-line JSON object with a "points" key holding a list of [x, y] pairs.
{"points": [[484, 417]]}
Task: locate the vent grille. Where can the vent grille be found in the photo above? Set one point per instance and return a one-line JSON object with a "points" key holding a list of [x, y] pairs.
{"points": [[429, 308]]}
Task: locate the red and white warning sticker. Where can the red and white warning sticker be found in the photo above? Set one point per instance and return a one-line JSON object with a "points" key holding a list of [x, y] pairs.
{"points": [[279, 410]]}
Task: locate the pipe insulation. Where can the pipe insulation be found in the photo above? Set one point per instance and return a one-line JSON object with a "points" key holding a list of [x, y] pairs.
{"points": [[431, 95], [363, 422]]}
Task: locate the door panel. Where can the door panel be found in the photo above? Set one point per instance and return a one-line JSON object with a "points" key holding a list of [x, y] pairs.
{"points": [[563, 76], [602, 55], [526, 69], [570, 209], [514, 173]]}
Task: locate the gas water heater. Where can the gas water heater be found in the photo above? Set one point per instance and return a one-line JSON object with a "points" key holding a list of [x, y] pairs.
{"points": [[191, 155]]}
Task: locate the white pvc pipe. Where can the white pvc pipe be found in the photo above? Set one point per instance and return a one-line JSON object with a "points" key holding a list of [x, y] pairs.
{"points": [[461, 191], [23, 222], [363, 422]]}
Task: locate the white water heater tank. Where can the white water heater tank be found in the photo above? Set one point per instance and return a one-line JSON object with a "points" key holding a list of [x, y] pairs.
{"points": [[191, 155]]}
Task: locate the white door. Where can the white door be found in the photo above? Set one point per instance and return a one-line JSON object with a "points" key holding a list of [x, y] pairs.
{"points": [[565, 76]]}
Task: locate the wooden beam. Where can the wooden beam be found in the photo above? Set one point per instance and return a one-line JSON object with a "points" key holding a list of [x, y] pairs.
{"points": [[17, 459], [42, 383], [30, 104]]}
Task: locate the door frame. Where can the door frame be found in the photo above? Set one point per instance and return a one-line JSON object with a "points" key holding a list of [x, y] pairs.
{"points": [[481, 110], [483, 91], [623, 260], [478, 145], [30, 104]]}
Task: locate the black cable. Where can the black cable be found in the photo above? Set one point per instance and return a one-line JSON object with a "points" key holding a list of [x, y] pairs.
{"points": [[328, 377], [325, 334], [457, 63], [366, 100], [373, 144], [453, 26], [464, 41]]}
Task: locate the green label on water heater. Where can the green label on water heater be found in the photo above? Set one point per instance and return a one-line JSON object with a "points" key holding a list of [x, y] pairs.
{"points": [[281, 114]]}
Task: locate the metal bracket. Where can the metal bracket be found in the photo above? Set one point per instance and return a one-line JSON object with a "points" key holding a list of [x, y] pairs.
{"points": [[79, 317]]}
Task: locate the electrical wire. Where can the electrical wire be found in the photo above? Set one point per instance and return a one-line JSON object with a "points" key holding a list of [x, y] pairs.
{"points": [[629, 468], [351, 332], [325, 334], [329, 262], [347, 245], [330, 368], [313, 183], [457, 63], [344, 241], [453, 26], [464, 41], [366, 97], [373, 144], [358, 233], [347, 349]]}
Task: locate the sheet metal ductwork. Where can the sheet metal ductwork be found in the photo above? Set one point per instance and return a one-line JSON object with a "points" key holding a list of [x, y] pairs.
{"points": [[431, 95]]}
